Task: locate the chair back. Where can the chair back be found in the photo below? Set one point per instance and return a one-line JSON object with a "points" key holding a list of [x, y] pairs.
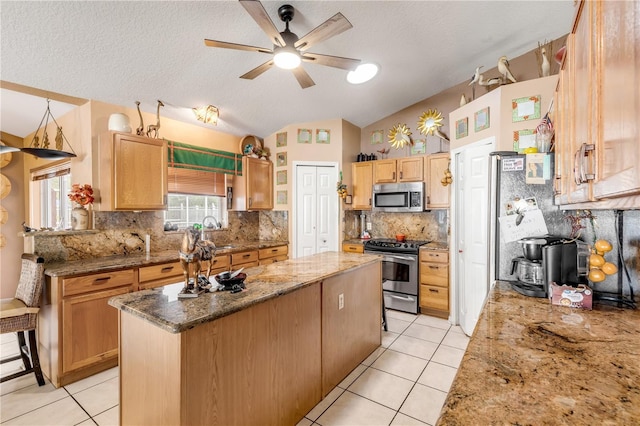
{"points": [[31, 280]]}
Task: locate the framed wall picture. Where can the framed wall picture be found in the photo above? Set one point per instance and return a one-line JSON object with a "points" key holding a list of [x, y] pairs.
{"points": [[304, 136], [281, 197], [323, 136], [462, 128], [281, 177], [481, 119], [281, 139], [281, 159], [527, 108], [523, 139], [377, 136], [419, 147]]}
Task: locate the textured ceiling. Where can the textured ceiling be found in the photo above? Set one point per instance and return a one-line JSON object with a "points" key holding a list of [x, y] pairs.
{"points": [[119, 52]]}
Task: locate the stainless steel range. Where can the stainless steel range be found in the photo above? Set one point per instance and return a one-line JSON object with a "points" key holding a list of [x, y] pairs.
{"points": [[400, 283]]}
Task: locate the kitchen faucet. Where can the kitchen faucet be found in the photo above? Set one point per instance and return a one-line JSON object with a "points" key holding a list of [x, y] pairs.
{"points": [[218, 225]]}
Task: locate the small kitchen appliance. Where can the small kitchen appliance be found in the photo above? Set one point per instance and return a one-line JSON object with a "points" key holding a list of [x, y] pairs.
{"points": [[529, 269], [400, 277], [565, 263]]}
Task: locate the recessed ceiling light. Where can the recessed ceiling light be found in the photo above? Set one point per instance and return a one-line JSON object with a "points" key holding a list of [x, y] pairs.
{"points": [[363, 73]]}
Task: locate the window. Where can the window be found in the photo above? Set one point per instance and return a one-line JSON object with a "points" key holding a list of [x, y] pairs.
{"points": [[185, 210], [193, 195], [51, 186]]}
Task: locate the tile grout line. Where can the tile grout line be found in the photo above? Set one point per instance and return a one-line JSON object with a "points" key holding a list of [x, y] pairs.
{"points": [[79, 405]]}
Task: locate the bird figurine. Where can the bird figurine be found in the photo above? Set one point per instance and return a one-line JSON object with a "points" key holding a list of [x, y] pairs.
{"points": [[463, 100], [546, 66], [503, 68], [474, 80], [490, 82], [383, 152]]}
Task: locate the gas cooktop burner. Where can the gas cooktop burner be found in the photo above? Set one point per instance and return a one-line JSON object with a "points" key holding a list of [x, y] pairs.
{"points": [[392, 245]]}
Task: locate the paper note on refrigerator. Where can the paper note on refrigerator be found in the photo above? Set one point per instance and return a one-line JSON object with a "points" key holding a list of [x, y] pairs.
{"points": [[532, 225]]}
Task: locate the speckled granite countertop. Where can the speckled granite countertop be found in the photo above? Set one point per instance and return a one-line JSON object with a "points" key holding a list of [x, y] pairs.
{"points": [[161, 307], [110, 263], [531, 363], [435, 245]]}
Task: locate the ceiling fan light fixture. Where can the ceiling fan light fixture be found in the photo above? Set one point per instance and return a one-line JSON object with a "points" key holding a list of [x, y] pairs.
{"points": [[363, 73], [286, 57], [207, 114]]}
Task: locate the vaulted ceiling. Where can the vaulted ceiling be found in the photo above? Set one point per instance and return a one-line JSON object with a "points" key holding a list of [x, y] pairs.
{"points": [[122, 51]]}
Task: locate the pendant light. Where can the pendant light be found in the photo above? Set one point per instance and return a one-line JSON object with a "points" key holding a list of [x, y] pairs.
{"points": [[41, 149]]}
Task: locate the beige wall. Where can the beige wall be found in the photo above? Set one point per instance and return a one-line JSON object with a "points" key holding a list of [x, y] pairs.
{"points": [[523, 67], [344, 143], [14, 203]]}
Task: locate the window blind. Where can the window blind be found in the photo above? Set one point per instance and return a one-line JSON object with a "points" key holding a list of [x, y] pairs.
{"points": [[51, 171], [196, 182]]}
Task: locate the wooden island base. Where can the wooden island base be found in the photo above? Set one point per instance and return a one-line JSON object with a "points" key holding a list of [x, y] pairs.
{"points": [[267, 364]]}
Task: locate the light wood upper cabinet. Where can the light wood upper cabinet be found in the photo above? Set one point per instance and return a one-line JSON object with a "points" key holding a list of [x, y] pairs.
{"points": [[438, 196], [398, 170], [132, 172], [362, 175], [597, 101], [254, 189]]}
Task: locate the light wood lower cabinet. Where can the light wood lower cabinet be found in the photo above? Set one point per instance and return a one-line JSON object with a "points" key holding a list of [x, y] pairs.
{"points": [[434, 282], [245, 259], [158, 275], [273, 254], [77, 329], [353, 248]]}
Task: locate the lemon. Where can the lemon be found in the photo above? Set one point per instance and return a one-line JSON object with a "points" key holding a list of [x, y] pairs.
{"points": [[596, 275], [595, 260], [609, 268], [603, 246]]}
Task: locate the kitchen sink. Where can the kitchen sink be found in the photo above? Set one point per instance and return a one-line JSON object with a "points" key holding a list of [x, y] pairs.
{"points": [[227, 246]]}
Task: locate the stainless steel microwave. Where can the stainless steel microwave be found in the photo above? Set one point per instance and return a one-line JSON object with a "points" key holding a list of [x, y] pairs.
{"points": [[398, 197]]}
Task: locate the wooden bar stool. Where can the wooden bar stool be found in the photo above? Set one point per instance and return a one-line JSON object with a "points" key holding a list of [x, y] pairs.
{"points": [[20, 314]]}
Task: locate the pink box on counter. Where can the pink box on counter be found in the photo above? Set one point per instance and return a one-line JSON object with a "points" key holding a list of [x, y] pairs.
{"points": [[574, 297]]}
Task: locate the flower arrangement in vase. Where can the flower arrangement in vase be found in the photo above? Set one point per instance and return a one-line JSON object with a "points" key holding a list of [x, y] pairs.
{"points": [[82, 195]]}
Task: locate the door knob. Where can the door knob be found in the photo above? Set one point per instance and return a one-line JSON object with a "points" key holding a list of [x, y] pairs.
{"points": [[459, 251]]}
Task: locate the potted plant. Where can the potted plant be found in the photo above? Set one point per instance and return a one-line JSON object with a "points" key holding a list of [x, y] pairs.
{"points": [[82, 196]]}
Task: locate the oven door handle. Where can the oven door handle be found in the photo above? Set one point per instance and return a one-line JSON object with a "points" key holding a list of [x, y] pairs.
{"points": [[400, 257], [405, 299]]}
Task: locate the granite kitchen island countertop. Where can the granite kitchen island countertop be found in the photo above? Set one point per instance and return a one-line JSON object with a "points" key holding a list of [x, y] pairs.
{"points": [[110, 263], [531, 363], [160, 306]]}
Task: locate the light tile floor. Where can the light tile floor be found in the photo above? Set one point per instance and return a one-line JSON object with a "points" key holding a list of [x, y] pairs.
{"points": [[403, 382]]}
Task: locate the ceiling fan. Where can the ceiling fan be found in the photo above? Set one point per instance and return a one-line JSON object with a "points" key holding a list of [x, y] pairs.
{"points": [[289, 50]]}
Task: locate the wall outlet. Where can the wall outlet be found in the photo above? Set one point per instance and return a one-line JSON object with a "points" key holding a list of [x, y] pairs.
{"points": [[340, 301], [369, 226]]}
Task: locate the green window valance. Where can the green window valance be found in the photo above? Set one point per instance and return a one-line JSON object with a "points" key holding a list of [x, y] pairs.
{"points": [[193, 157]]}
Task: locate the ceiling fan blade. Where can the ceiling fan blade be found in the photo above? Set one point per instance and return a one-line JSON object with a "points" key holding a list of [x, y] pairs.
{"points": [[303, 78], [226, 45], [329, 28], [331, 61], [259, 14], [257, 70]]}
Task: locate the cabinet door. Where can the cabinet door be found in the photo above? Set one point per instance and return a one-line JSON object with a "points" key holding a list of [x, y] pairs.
{"points": [[244, 259], [434, 297], [618, 146], [353, 248], [90, 329], [384, 171], [158, 275], [410, 169], [437, 195], [583, 105], [563, 128], [139, 173], [362, 185], [259, 175]]}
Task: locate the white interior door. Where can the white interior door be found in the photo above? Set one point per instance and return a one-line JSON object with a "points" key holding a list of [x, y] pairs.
{"points": [[316, 209], [472, 242]]}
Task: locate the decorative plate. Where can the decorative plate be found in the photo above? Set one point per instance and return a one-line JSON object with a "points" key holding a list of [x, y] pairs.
{"points": [[5, 186], [430, 121], [5, 159], [400, 136], [4, 215], [250, 140]]}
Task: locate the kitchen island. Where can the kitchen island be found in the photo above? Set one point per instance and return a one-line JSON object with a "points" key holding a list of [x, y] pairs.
{"points": [[531, 363], [266, 355]]}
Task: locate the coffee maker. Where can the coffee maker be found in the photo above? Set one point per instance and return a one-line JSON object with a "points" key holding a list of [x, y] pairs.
{"points": [[565, 263], [529, 268]]}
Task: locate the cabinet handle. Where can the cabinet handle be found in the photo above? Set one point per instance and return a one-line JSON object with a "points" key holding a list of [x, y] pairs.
{"points": [[246, 255], [167, 269], [394, 176], [102, 280], [433, 267], [579, 164], [433, 290], [400, 174], [250, 201], [274, 250], [369, 201]]}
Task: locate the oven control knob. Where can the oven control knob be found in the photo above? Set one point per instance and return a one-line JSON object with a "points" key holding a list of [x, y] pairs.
{"points": [[406, 245]]}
